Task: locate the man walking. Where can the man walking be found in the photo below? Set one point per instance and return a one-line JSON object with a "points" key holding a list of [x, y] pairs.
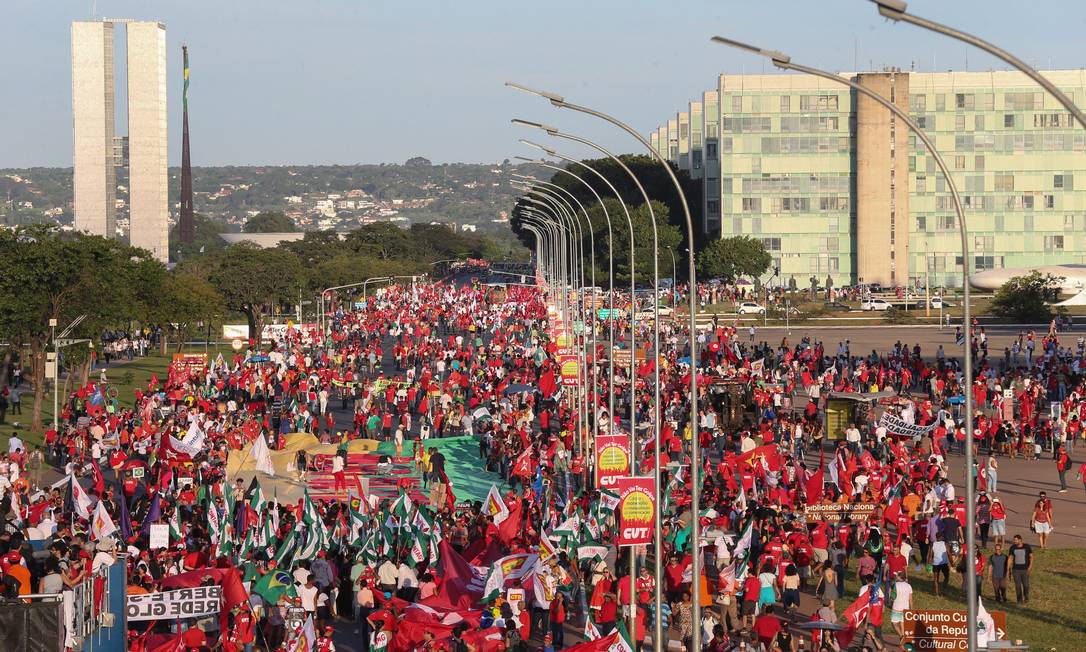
{"points": [[1021, 565], [998, 569]]}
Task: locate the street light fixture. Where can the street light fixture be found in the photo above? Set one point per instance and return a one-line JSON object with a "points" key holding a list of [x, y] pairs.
{"points": [[610, 287], [896, 10], [695, 467], [784, 62]]}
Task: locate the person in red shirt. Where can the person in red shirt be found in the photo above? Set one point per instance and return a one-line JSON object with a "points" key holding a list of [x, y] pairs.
{"points": [[752, 587], [766, 626]]}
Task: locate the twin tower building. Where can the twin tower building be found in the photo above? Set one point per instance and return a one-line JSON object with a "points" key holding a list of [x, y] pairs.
{"points": [[100, 153]]}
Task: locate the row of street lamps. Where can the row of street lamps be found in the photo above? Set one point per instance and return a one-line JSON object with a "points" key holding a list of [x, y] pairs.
{"points": [[548, 243]]}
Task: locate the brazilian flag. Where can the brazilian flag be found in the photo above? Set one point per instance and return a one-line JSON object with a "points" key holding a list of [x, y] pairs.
{"points": [[272, 586]]}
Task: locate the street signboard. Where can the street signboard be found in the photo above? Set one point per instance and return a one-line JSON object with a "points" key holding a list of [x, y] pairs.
{"points": [[612, 458], [833, 512], [636, 509], [936, 629]]}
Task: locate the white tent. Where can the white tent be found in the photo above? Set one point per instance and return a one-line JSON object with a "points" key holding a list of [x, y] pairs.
{"points": [[1077, 300]]}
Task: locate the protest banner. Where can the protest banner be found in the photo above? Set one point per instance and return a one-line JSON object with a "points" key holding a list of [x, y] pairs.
{"points": [[612, 458], [901, 428], [636, 509], [160, 536], [196, 602]]}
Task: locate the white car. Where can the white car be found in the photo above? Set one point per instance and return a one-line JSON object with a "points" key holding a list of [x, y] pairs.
{"points": [[647, 313], [874, 304], [750, 308]]}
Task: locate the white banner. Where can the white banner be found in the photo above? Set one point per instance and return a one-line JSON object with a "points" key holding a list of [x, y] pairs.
{"points": [[196, 602], [896, 426], [235, 331]]}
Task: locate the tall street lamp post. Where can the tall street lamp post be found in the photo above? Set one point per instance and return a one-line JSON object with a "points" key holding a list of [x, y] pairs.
{"points": [[695, 466], [784, 62], [896, 10]]}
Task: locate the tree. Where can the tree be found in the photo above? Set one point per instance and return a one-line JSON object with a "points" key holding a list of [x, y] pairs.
{"points": [[185, 300], [255, 281], [734, 257], [53, 275], [270, 222], [382, 240], [1023, 299]]}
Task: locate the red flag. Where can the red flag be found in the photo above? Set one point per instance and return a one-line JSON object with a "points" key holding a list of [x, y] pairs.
{"points": [[813, 487], [99, 482], [459, 588], [510, 527], [767, 454], [853, 615], [598, 645], [523, 465]]}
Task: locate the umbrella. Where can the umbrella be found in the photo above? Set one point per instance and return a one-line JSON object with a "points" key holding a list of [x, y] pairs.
{"points": [[683, 360], [519, 389], [823, 625]]}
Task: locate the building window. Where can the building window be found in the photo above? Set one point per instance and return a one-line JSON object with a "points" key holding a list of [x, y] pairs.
{"points": [[1068, 222], [712, 206], [945, 223], [978, 162], [959, 162], [1004, 182], [1050, 201], [1022, 101], [921, 223], [918, 103], [964, 101], [696, 158], [1057, 181], [1027, 202], [772, 244], [1008, 120], [786, 103], [1027, 223], [752, 205], [921, 184], [984, 243], [922, 121], [940, 102], [1053, 243], [710, 151], [737, 103], [999, 223], [978, 122], [712, 188], [818, 103], [959, 122]]}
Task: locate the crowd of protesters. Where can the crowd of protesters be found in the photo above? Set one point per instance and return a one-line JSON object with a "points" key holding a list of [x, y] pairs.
{"points": [[788, 508]]}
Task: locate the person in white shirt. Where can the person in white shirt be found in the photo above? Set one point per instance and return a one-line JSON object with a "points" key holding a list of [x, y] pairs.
{"points": [[903, 601], [407, 581], [308, 594]]}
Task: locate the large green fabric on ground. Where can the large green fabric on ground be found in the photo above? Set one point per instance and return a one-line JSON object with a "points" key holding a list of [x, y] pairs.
{"points": [[466, 470]]}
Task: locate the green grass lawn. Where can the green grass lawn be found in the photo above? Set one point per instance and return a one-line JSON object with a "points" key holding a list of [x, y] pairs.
{"points": [[1053, 619]]}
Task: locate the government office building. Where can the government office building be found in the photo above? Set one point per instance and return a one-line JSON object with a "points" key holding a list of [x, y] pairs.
{"points": [[836, 186]]}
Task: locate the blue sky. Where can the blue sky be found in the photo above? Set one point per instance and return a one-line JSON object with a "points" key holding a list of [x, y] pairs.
{"points": [[369, 81]]}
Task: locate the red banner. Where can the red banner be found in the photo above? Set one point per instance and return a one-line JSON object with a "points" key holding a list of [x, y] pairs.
{"points": [[636, 510], [612, 458], [187, 364]]}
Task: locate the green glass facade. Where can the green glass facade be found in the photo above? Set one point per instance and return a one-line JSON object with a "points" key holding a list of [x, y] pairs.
{"points": [[787, 164]]}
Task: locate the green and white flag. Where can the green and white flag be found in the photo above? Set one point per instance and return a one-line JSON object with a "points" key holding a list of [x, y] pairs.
{"points": [[175, 526], [591, 633], [608, 501], [419, 549], [286, 550], [401, 509], [495, 580], [213, 527], [256, 498]]}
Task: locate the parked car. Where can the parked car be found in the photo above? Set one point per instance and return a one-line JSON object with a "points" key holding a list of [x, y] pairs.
{"points": [[750, 308], [647, 313], [836, 305], [875, 304]]}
